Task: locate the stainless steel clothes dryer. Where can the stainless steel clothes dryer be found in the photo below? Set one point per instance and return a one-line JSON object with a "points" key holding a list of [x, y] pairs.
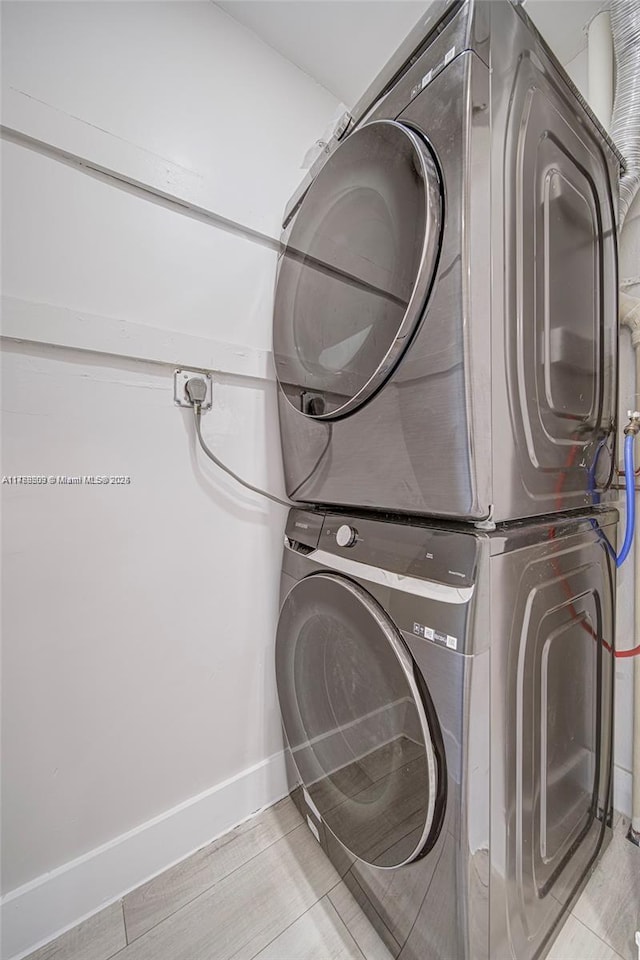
{"points": [[447, 698], [445, 320]]}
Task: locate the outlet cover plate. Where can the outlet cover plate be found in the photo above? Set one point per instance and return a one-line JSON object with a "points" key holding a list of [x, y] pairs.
{"points": [[180, 396]]}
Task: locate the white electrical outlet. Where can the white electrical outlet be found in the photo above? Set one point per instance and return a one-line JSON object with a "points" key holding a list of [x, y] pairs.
{"points": [[180, 396]]}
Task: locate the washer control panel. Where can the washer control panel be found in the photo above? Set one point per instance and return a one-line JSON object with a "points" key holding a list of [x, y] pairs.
{"points": [[415, 549]]}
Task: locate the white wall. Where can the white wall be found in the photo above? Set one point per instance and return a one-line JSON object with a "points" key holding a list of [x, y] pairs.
{"points": [[578, 70], [138, 620]]}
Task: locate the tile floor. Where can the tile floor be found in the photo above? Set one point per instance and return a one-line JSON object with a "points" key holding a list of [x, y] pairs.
{"points": [[266, 891]]}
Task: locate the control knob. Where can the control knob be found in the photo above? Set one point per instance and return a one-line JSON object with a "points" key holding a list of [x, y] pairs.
{"points": [[346, 535]]}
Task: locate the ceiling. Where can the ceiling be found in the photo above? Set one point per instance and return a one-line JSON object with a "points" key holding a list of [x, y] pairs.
{"points": [[343, 43]]}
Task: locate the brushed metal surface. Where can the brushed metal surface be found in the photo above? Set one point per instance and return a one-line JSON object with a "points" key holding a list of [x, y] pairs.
{"points": [[525, 715], [558, 302], [502, 405], [552, 616]]}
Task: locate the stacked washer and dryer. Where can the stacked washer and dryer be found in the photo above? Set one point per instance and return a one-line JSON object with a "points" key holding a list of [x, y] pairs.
{"points": [[445, 338]]}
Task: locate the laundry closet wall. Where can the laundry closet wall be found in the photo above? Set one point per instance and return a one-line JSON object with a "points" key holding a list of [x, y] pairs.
{"points": [[138, 620]]}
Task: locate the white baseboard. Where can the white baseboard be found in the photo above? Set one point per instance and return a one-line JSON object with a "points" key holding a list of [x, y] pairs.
{"points": [[622, 790], [45, 907]]}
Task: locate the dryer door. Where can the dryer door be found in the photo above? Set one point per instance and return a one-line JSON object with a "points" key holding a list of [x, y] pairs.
{"points": [[359, 722], [357, 269]]}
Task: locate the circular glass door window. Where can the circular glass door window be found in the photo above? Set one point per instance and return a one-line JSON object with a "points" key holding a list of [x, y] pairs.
{"points": [[360, 730], [357, 269]]}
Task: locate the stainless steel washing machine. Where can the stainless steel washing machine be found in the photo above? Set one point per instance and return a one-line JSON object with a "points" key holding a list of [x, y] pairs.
{"points": [[447, 696], [445, 320]]}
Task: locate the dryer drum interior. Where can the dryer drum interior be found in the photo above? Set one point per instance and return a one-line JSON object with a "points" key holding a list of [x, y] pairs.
{"points": [[356, 272], [363, 736]]}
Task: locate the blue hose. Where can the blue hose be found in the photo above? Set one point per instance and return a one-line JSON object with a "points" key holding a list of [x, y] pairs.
{"points": [[630, 488]]}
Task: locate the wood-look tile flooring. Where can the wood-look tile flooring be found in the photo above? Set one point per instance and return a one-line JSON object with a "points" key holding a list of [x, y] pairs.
{"points": [[266, 891]]}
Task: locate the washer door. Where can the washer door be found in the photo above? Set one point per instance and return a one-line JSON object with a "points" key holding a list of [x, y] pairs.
{"points": [[359, 724], [357, 269]]}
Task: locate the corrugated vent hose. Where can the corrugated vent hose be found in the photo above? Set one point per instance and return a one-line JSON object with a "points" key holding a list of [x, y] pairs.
{"points": [[625, 128]]}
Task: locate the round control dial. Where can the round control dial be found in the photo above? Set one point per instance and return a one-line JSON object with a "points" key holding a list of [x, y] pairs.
{"points": [[346, 535]]}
